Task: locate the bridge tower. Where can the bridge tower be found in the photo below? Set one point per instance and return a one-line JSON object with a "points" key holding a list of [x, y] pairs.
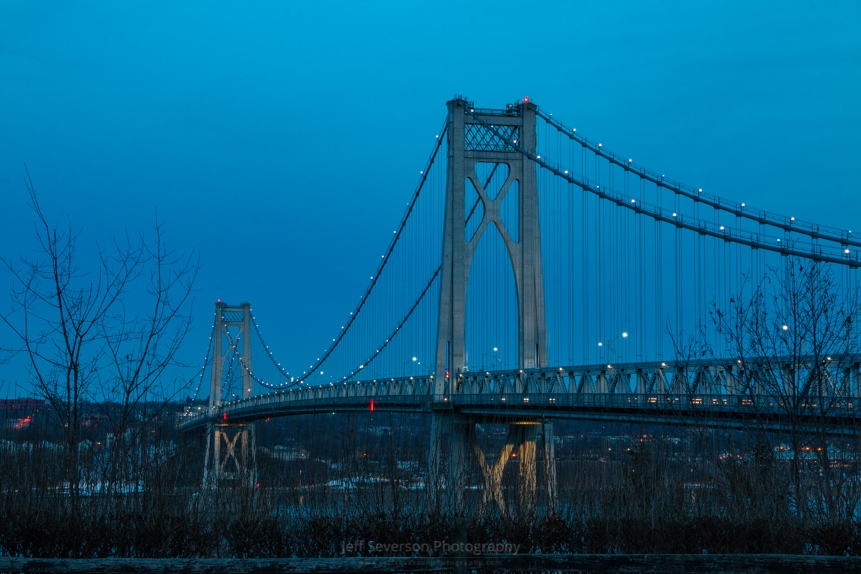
{"points": [[489, 136], [230, 450], [496, 137]]}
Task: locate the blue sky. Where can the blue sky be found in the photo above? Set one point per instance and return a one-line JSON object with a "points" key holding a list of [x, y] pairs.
{"points": [[264, 133]]}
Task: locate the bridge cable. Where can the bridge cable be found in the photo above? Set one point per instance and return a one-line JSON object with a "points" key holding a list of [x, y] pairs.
{"points": [[199, 375], [677, 219], [382, 265], [790, 224], [397, 329], [278, 366], [424, 291], [391, 336]]}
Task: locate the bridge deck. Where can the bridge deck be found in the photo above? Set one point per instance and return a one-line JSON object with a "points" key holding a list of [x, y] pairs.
{"points": [[714, 410]]}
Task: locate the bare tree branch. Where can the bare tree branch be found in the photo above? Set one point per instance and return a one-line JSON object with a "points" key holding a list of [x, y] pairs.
{"points": [[81, 339]]}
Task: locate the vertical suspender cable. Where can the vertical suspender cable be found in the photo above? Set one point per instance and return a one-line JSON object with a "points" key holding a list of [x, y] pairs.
{"points": [[585, 309], [659, 277], [678, 277], [599, 267], [572, 254]]}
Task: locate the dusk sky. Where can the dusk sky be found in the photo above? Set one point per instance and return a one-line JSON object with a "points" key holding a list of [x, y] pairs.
{"points": [[282, 140]]}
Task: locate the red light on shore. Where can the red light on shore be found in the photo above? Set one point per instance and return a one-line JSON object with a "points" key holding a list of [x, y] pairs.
{"points": [[372, 405]]}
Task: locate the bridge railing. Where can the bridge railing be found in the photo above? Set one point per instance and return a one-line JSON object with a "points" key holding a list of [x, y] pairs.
{"points": [[716, 385], [765, 405], [548, 405]]}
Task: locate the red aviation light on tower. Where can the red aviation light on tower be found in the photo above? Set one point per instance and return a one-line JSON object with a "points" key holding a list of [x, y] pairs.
{"points": [[224, 416], [524, 101], [372, 405]]}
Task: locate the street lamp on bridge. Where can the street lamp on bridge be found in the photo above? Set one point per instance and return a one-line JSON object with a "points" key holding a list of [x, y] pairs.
{"points": [[415, 364], [486, 353], [609, 344]]}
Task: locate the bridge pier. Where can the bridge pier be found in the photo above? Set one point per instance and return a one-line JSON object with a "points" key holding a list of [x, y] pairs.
{"points": [[230, 455], [527, 486], [550, 468], [521, 446], [448, 494]]}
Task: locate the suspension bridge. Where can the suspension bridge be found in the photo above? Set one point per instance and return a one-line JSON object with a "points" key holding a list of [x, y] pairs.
{"points": [[538, 275]]}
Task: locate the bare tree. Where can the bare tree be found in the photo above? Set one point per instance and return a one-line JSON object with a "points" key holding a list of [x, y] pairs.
{"points": [[795, 342], [82, 335]]}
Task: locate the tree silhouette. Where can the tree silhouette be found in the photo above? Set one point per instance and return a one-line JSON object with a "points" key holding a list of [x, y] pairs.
{"points": [[106, 334], [797, 348]]}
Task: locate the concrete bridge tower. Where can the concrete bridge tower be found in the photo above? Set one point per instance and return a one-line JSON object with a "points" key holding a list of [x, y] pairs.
{"points": [[495, 137], [490, 136]]}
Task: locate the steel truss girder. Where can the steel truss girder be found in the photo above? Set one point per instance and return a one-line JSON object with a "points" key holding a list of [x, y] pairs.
{"points": [[736, 389]]}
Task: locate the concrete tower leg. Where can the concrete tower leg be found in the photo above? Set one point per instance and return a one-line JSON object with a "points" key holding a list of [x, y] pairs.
{"points": [[493, 474], [550, 469], [855, 381], [522, 436], [434, 486], [527, 487], [457, 466], [208, 476], [448, 430]]}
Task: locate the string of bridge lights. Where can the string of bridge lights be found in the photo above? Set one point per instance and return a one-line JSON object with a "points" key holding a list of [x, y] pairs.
{"points": [[237, 356], [376, 353], [228, 374], [385, 259], [842, 255], [421, 296], [202, 368], [277, 364], [789, 224]]}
